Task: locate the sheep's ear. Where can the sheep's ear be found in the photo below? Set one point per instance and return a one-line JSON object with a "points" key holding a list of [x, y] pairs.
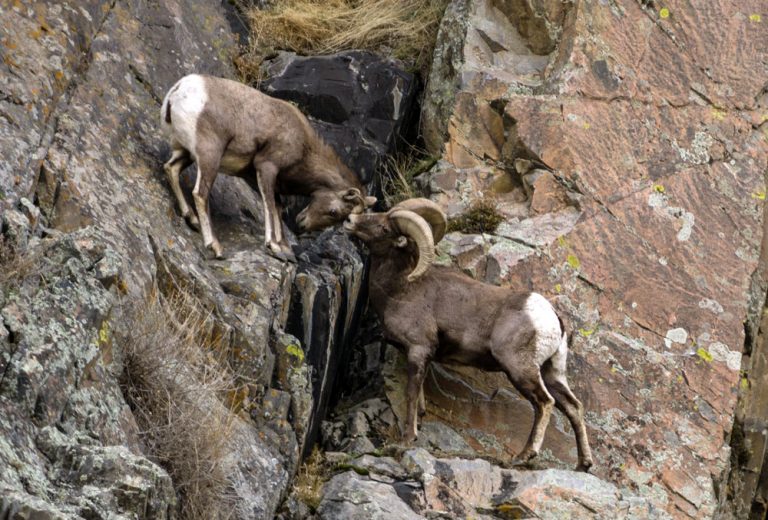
{"points": [[401, 241], [370, 201], [352, 195]]}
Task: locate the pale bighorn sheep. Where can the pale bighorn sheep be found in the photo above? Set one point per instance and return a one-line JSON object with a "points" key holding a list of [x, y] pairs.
{"points": [[438, 313], [226, 126]]}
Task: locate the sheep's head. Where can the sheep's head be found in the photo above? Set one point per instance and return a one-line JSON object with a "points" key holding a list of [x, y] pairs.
{"points": [[420, 221], [329, 207]]}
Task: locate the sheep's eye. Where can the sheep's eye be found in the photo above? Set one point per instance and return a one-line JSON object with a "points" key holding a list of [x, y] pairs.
{"points": [[334, 212]]}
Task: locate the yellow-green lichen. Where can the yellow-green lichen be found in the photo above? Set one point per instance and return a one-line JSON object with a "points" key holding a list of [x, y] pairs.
{"points": [[573, 261], [664, 13], [718, 114], [295, 351], [104, 333], [704, 354]]}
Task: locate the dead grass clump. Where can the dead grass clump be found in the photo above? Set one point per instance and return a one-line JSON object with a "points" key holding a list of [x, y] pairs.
{"points": [[404, 29], [398, 181], [482, 217], [174, 380], [313, 473]]}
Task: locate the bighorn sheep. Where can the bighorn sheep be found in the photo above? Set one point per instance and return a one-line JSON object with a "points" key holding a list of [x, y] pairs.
{"points": [[438, 313], [226, 126]]}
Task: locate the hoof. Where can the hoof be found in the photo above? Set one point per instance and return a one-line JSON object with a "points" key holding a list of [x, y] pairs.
{"points": [[524, 458], [193, 222], [283, 254], [584, 466], [408, 438], [516, 462], [283, 257], [218, 252], [288, 254]]}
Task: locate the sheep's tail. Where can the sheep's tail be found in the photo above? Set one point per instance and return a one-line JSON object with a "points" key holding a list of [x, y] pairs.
{"points": [[165, 109], [567, 338]]}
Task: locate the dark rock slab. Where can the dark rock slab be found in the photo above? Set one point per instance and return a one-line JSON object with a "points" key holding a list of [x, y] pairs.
{"points": [[362, 104]]}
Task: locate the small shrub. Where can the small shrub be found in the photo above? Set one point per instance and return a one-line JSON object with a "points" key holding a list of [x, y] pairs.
{"points": [[174, 383], [482, 217], [407, 29]]}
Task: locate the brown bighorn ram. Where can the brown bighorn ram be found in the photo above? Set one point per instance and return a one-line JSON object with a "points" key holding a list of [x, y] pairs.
{"points": [[226, 126], [438, 313]]}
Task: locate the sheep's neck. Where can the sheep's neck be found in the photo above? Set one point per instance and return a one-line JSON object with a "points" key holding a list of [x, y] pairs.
{"points": [[389, 272]]}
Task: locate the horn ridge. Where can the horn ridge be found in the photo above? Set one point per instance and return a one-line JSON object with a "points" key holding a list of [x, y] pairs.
{"points": [[429, 211], [412, 225]]}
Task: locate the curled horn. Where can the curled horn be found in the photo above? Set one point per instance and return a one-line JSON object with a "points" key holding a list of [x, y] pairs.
{"points": [[430, 212], [415, 227]]}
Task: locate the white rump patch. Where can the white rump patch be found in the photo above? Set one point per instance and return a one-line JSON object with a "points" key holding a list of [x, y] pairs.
{"points": [[187, 103], [544, 319]]}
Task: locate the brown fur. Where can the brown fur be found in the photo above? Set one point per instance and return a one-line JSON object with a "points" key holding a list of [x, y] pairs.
{"points": [[446, 316], [245, 133]]}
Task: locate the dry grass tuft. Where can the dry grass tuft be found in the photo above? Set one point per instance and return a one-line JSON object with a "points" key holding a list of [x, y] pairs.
{"points": [[482, 217], [313, 473], [174, 380], [398, 181], [401, 28]]}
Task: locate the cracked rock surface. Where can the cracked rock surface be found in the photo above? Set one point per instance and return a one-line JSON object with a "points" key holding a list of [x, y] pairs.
{"points": [[626, 147], [86, 208]]}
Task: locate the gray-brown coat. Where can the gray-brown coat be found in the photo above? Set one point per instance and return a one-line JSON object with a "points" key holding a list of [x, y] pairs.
{"points": [[438, 313], [226, 126]]}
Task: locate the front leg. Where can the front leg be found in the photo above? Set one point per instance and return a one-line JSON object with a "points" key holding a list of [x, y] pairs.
{"points": [[266, 176], [285, 247], [418, 359]]}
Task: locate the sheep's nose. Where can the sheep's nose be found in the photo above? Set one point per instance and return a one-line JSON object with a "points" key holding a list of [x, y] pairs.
{"points": [[301, 220]]}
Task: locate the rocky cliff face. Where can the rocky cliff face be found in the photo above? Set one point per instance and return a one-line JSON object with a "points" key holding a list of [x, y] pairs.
{"points": [[90, 235], [625, 145]]}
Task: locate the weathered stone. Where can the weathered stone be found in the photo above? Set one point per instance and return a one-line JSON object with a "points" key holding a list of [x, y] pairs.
{"points": [[645, 226], [357, 424], [461, 488], [358, 446], [275, 405], [381, 465], [336, 457], [436, 435], [349, 496], [549, 196], [332, 433], [110, 478], [418, 462], [16, 228]]}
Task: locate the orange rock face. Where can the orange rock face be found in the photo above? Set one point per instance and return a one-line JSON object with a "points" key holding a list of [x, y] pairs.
{"points": [[651, 123]]}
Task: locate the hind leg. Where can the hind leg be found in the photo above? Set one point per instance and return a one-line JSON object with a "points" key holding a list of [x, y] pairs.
{"points": [[527, 381], [515, 349], [207, 169], [553, 373], [180, 159]]}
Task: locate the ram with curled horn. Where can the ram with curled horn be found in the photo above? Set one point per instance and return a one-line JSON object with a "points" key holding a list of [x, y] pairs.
{"points": [[437, 313]]}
